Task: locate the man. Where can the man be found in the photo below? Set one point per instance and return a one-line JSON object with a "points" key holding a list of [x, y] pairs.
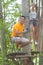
{"points": [[18, 31]]}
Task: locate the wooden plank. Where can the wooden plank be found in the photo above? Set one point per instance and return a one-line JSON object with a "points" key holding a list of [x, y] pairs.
{"points": [[25, 56], [35, 52], [20, 56]]}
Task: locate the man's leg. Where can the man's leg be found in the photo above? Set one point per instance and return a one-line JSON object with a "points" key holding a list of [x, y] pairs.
{"points": [[24, 42], [16, 40], [21, 41]]}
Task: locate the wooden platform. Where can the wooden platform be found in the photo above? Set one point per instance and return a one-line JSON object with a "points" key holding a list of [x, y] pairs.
{"points": [[21, 56]]}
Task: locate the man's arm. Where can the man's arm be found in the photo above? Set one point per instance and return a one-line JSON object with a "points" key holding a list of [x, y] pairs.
{"points": [[16, 31], [24, 31]]}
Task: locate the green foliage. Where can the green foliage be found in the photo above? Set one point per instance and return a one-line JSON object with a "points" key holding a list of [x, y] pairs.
{"points": [[12, 11], [33, 46], [32, 1], [7, 3]]}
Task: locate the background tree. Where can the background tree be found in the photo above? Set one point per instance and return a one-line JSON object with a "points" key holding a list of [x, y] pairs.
{"points": [[2, 32], [41, 38], [25, 12]]}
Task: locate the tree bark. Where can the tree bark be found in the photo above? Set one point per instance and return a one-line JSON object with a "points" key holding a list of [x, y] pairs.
{"points": [[25, 12], [41, 38], [3, 44]]}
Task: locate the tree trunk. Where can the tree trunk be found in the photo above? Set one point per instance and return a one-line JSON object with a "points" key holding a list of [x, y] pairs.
{"points": [[41, 39], [3, 44], [25, 12]]}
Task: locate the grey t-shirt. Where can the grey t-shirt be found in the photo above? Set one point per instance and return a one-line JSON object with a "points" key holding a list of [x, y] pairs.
{"points": [[32, 15]]}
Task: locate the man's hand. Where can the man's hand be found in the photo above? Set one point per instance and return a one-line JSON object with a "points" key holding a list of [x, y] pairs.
{"points": [[24, 31]]}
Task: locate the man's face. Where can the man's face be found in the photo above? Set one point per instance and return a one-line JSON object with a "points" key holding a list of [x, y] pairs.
{"points": [[22, 20]]}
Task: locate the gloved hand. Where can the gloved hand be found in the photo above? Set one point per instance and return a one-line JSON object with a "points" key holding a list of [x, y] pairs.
{"points": [[28, 29]]}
